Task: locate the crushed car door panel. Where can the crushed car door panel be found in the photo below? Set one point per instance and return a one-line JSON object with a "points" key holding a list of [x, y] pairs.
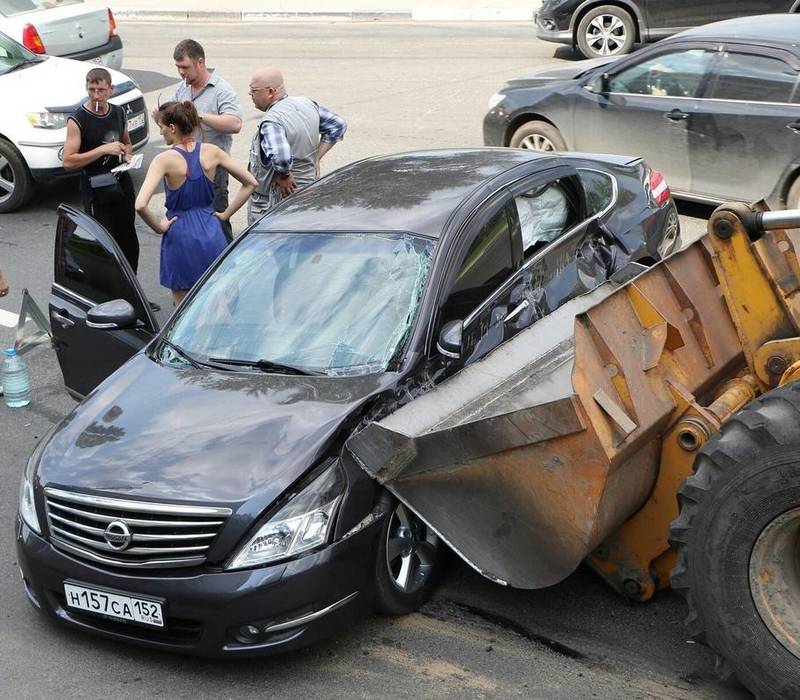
{"points": [[90, 269]]}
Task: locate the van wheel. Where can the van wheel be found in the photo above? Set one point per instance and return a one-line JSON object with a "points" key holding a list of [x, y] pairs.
{"points": [[16, 183], [408, 563], [738, 545], [607, 30], [538, 136]]}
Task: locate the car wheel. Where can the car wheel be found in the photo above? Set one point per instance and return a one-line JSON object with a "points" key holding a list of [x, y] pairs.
{"points": [[408, 562], [16, 184], [605, 31], [538, 136]]}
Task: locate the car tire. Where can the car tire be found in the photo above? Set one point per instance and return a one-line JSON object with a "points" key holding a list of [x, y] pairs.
{"points": [[408, 563], [736, 540], [538, 136], [793, 195], [607, 30], [16, 183]]}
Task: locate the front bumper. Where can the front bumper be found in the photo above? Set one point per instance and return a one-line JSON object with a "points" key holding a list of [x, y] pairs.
{"points": [[44, 159], [547, 30], [301, 601], [108, 55]]}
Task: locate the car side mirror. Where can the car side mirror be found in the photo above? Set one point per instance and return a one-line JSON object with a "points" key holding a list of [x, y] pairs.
{"points": [[109, 315], [605, 84], [449, 343]]}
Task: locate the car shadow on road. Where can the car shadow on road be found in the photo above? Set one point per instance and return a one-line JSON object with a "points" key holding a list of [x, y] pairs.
{"points": [[149, 80]]}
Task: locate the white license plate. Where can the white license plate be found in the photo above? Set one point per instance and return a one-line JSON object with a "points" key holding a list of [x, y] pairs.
{"points": [[136, 122], [118, 605]]}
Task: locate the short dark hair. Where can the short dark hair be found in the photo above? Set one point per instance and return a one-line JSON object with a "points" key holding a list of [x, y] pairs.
{"points": [[182, 115], [98, 75], [189, 48]]}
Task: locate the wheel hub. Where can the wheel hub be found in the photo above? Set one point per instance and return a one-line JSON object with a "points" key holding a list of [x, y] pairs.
{"points": [[775, 578], [606, 34]]}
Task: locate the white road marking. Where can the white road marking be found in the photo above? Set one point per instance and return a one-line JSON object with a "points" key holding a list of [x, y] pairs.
{"points": [[8, 319]]}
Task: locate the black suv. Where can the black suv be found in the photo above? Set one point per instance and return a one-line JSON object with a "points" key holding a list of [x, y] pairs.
{"points": [[600, 28]]}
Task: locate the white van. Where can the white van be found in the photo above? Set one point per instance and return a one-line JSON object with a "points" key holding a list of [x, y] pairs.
{"points": [[38, 93]]}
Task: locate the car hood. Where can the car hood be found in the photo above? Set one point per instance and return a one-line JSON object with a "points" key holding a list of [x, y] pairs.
{"points": [[559, 71], [55, 82], [160, 433]]}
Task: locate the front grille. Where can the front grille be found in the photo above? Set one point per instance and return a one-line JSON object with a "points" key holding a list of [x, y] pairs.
{"points": [[144, 535]]}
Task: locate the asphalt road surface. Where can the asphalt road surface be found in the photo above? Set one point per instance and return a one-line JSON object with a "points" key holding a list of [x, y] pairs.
{"points": [[401, 87]]}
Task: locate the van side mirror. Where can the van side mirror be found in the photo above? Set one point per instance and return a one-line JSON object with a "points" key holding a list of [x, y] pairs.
{"points": [[110, 315], [449, 343]]}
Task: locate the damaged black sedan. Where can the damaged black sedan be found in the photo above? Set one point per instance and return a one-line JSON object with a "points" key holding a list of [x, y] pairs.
{"points": [[202, 497]]}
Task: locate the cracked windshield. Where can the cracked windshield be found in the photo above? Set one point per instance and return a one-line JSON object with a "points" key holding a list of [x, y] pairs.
{"points": [[339, 304]]}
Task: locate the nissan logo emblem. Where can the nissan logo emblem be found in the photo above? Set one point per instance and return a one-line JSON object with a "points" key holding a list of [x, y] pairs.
{"points": [[118, 535]]}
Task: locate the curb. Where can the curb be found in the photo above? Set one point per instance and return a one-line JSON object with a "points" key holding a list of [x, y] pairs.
{"points": [[322, 16]]}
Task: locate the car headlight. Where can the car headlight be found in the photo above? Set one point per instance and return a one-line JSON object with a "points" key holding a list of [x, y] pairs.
{"points": [[27, 505], [302, 524], [48, 120], [496, 99]]}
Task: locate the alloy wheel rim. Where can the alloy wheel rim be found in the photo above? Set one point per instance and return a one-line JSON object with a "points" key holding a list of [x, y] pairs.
{"points": [[6, 179], [606, 35], [775, 579], [537, 142], [411, 549]]}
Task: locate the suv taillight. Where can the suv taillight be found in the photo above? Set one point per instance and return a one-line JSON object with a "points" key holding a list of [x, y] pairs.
{"points": [[112, 24], [31, 39], [659, 189]]}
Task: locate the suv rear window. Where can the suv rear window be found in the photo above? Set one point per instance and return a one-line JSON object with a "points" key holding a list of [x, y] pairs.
{"points": [[9, 8]]}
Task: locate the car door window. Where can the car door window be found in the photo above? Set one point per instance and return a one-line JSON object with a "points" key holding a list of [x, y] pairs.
{"points": [[545, 213], [599, 189], [678, 74], [487, 263], [741, 76], [86, 265]]}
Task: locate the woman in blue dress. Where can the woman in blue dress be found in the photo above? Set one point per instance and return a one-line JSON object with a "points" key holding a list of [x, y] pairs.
{"points": [[192, 230]]}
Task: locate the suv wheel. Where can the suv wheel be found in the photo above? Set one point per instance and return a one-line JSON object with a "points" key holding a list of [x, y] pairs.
{"points": [[538, 136], [16, 184], [605, 31], [408, 562]]}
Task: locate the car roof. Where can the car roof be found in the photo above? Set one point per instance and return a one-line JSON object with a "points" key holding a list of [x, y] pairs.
{"points": [[415, 192], [775, 30]]}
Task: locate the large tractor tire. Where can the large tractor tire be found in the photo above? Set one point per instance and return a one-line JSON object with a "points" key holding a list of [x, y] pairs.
{"points": [[738, 544]]}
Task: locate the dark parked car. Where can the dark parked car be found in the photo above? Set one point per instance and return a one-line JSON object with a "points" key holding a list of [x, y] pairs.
{"points": [[201, 498], [599, 28], [716, 109]]}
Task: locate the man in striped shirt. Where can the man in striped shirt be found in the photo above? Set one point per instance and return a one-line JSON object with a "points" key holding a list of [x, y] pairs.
{"points": [[293, 135]]}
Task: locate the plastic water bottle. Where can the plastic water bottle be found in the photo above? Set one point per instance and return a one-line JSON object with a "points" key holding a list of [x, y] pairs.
{"points": [[15, 380]]}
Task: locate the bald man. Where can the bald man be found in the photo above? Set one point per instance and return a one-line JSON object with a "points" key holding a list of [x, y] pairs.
{"points": [[292, 137]]}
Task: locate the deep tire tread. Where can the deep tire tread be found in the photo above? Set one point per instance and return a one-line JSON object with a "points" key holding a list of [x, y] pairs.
{"points": [[769, 421]]}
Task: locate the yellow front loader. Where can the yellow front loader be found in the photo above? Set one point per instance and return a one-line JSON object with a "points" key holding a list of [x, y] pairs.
{"points": [[650, 428]]}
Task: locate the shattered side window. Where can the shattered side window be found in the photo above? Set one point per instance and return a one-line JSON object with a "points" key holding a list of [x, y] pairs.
{"points": [[338, 303]]}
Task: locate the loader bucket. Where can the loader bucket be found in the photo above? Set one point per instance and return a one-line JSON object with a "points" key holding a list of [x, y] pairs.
{"points": [[526, 460]]}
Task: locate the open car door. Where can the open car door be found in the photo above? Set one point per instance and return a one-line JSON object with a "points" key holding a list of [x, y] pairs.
{"points": [[90, 269]]}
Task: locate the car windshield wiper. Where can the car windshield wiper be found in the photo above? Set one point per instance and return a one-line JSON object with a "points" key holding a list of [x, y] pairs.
{"points": [[265, 366], [22, 64]]}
